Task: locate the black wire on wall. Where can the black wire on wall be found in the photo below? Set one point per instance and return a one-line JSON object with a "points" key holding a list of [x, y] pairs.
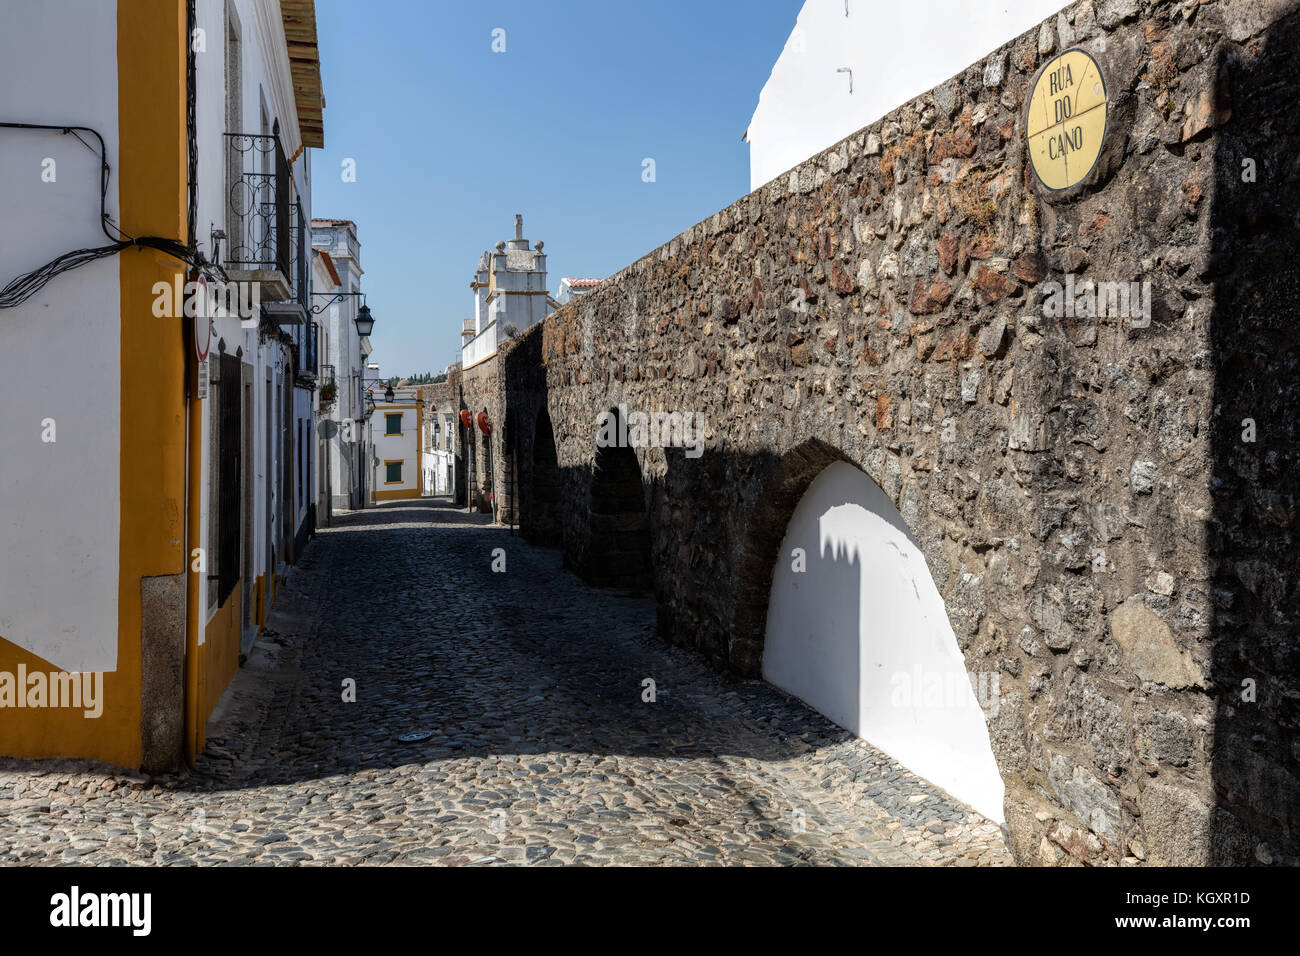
{"points": [[191, 125], [25, 286]]}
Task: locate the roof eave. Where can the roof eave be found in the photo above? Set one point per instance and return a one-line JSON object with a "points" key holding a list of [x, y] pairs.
{"points": [[299, 17]]}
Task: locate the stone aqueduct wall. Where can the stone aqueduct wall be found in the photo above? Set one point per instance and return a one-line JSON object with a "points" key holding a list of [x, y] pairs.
{"points": [[880, 304], [478, 389]]}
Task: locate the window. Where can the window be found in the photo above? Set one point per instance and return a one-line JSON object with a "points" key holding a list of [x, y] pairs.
{"points": [[393, 423], [393, 470]]}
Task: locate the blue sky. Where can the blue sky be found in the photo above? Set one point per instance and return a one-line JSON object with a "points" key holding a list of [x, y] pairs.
{"points": [[451, 139]]}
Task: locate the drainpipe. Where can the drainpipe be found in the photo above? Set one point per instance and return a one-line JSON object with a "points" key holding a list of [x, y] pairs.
{"points": [[194, 473], [194, 455]]}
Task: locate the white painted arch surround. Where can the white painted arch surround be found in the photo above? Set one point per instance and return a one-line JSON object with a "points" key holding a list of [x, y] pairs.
{"points": [[861, 635]]}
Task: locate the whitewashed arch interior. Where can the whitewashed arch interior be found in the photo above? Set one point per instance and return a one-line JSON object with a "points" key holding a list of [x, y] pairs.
{"points": [[861, 635]]}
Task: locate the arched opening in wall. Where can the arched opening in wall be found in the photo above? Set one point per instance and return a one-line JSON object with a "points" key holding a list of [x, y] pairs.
{"points": [[618, 542], [466, 466], [857, 629], [507, 490], [542, 522], [487, 480]]}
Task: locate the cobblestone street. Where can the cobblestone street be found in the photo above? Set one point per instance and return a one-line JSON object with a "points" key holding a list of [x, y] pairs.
{"points": [[541, 749]]}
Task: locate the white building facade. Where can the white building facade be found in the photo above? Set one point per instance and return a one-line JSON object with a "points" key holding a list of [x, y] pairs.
{"points": [[325, 279], [342, 426], [149, 534], [397, 429], [849, 62], [571, 288], [509, 295], [253, 154]]}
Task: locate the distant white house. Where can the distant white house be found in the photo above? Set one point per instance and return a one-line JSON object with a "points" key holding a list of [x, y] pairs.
{"points": [[849, 62], [438, 455], [397, 427], [570, 289]]}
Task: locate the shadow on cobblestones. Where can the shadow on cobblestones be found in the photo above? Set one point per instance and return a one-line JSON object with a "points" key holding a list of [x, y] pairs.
{"points": [[544, 745], [525, 660]]}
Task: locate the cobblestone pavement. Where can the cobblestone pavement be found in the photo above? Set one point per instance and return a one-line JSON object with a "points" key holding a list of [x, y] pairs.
{"points": [[541, 749]]}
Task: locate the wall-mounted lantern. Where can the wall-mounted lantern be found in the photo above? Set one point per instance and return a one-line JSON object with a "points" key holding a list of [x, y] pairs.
{"points": [[365, 321]]}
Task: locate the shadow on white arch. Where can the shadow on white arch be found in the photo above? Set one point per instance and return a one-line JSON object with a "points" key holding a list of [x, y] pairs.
{"points": [[862, 636]]}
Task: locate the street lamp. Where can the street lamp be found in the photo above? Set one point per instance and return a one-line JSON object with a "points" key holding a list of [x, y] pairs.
{"points": [[388, 395], [365, 321]]}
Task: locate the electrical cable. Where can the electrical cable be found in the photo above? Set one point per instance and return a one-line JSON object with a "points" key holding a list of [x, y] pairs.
{"points": [[191, 125], [23, 287]]}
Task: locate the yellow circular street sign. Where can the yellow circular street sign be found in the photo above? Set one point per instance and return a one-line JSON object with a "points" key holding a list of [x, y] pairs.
{"points": [[1066, 121]]}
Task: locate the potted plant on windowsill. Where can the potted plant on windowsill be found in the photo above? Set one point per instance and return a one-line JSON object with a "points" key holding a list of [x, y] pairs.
{"points": [[329, 392]]}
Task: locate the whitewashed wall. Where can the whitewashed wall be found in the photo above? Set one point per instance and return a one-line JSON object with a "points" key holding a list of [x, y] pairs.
{"points": [[895, 50], [861, 635], [305, 457], [264, 79], [60, 351], [321, 283], [521, 310], [438, 472], [345, 355], [482, 346]]}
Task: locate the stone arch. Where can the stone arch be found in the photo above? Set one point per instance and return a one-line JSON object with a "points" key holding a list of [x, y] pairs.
{"points": [[618, 526], [485, 478], [542, 519], [855, 626], [508, 483], [784, 485], [465, 460]]}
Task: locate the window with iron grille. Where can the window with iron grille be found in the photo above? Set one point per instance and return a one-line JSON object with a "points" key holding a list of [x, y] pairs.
{"points": [[230, 470], [259, 205]]}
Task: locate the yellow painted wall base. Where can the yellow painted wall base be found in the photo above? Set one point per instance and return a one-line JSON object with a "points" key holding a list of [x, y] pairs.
{"points": [[113, 737], [220, 651], [395, 495]]}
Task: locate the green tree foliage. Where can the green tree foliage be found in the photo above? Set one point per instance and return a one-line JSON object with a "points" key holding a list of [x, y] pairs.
{"points": [[424, 378]]}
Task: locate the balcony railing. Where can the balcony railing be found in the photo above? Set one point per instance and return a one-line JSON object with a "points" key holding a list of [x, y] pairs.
{"points": [[328, 387], [259, 206]]}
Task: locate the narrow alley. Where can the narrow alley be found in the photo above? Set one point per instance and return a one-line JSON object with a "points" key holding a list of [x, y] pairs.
{"points": [[542, 746]]}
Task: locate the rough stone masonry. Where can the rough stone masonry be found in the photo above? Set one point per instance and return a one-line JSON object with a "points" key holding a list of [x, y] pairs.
{"points": [[1107, 503]]}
